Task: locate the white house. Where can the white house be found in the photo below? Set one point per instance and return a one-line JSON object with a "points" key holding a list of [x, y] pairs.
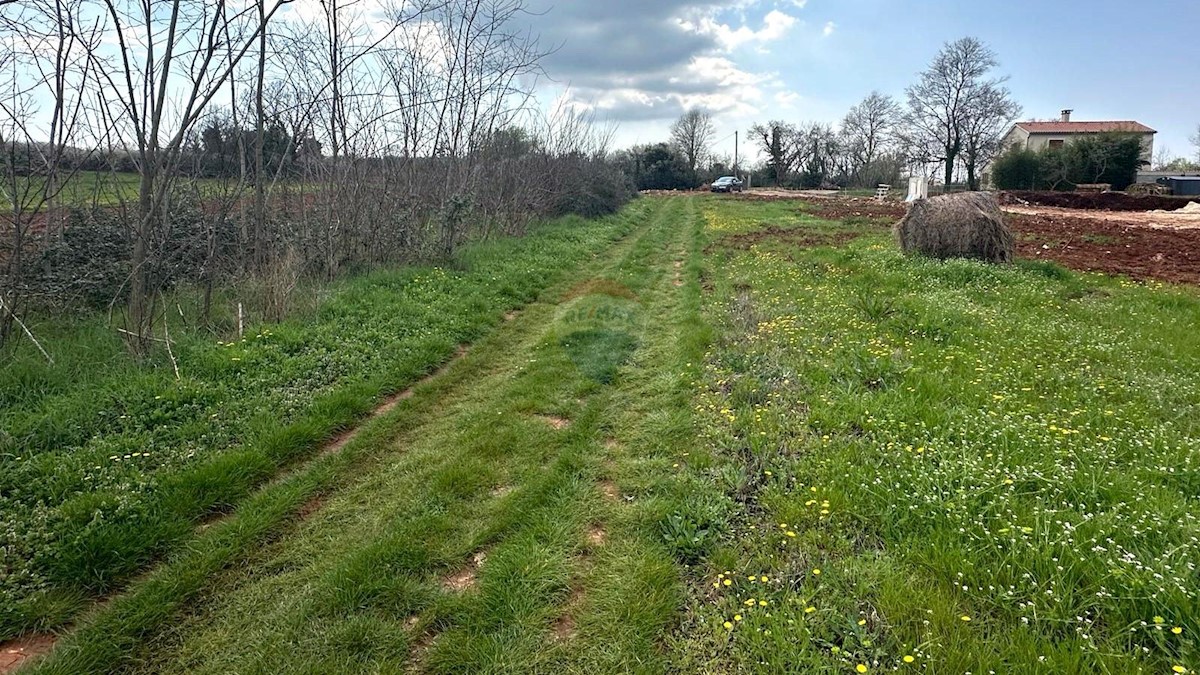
{"points": [[1038, 135]]}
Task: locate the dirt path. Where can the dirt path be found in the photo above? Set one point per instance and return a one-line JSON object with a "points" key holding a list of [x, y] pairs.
{"points": [[503, 500]]}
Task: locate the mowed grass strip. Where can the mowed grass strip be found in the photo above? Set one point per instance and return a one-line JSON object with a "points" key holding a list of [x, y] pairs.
{"points": [[107, 462], [942, 466], [477, 539]]}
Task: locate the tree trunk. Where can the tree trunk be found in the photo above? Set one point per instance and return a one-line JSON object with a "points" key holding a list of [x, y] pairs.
{"points": [[10, 294], [260, 196], [139, 301]]}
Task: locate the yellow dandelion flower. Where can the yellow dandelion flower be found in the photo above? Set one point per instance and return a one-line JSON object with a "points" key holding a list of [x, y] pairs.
{"points": [[862, 668], [1177, 630], [862, 622], [810, 609], [1159, 619], [908, 658], [728, 625], [817, 571], [737, 617], [729, 582], [1179, 669], [964, 617]]}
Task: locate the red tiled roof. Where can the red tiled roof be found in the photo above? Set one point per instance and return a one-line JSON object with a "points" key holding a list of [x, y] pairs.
{"points": [[1084, 127]]}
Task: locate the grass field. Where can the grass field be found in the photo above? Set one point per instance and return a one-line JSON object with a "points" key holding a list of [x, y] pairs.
{"points": [[84, 188], [106, 462], [740, 439], [944, 465]]}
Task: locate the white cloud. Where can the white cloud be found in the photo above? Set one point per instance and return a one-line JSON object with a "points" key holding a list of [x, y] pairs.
{"points": [[828, 29], [776, 25], [787, 99]]}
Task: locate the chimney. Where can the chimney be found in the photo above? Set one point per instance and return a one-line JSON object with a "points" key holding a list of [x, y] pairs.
{"points": [[1066, 115]]}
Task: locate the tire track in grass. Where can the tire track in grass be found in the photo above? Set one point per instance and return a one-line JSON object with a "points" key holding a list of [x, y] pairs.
{"points": [[482, 643], [108, 638], [629, 589]]}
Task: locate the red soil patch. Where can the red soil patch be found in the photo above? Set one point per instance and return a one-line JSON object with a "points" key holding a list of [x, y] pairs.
{"points": [[597, 536], [610, 490], [460, 581], [464, 579], [563, 627], [1110, 247], [342, 440], [310, 507], [15, 653], [557, 423], [421, 645]]}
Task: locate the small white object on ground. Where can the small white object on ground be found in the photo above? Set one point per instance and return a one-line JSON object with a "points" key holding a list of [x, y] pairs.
{"points": [[918, 188]]}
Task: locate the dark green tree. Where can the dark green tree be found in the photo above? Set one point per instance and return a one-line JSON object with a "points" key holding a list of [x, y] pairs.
{"points": [[1018, 169]]}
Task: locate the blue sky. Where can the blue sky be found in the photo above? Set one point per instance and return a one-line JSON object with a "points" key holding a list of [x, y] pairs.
{"points": [[639, 63]]}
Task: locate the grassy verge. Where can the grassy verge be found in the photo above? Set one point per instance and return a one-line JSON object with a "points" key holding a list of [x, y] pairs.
{"points": [[105, 463], [942, 466], [516, 526]]}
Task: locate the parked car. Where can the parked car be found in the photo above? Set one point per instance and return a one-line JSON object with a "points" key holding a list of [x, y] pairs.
{"points": [[727, 184]]}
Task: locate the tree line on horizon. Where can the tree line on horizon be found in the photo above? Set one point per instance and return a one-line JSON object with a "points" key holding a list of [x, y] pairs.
{"points": [[950, 124], [952, 118]]}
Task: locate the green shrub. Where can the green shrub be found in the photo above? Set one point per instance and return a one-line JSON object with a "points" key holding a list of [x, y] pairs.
{"points": [[1017, 169], [1112, 158]]}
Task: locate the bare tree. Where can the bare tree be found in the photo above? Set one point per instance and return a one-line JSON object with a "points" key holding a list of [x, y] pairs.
{"points": [[941, 103], [407, 131], [988, 114], [692, 135], [46, 124], [171, 62], [867, 130], [1196, 142], [815, 152], [777, 140], [1162, 157]]}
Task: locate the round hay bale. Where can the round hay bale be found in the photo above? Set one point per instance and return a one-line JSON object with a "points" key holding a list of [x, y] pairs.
{"points": [[959, 225]]}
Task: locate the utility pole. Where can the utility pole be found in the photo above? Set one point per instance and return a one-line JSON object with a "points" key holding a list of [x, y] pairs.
{"points": [[735, 154]]}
